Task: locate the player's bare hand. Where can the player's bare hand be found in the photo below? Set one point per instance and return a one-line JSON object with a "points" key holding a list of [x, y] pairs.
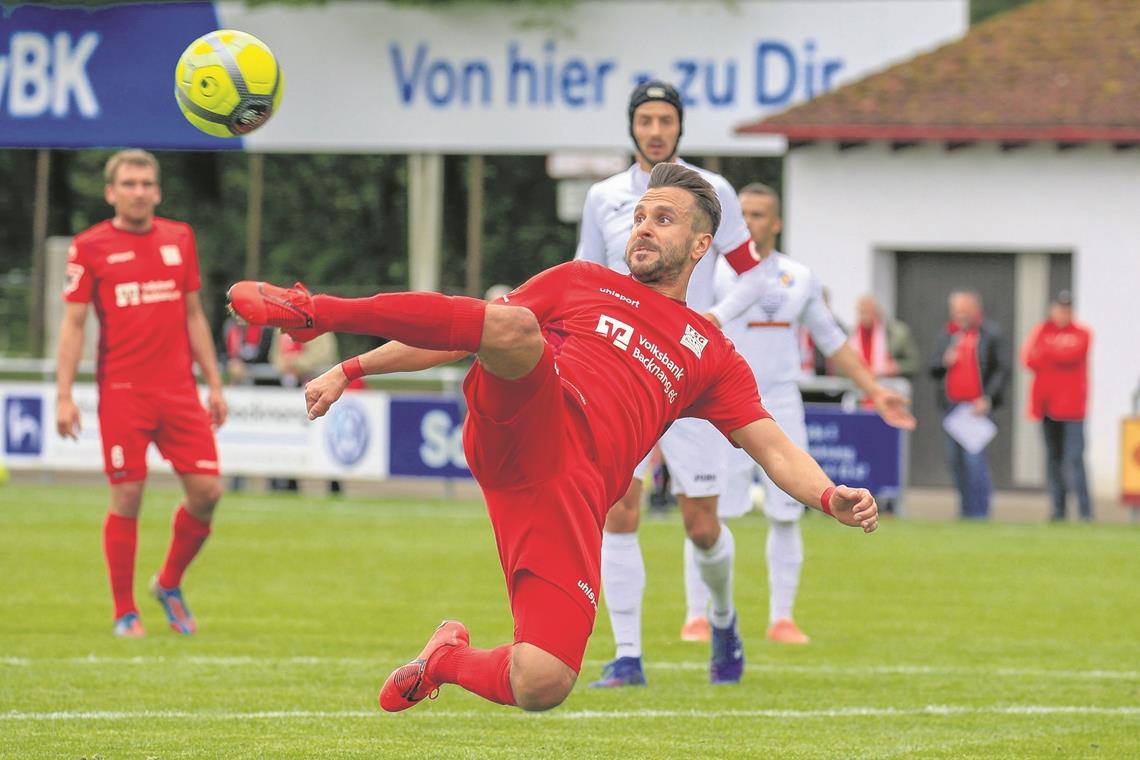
{"points": [[322, 392], [216, 406], [894, 408], [67, 418], [855, 507]]}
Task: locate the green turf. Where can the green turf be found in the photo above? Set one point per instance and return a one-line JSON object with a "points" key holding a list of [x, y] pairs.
{"points": [[929, 640]]}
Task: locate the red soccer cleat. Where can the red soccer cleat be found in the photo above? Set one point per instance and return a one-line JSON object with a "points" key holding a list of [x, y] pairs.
{"points": [[408, 684], [785, 631], [260, 303]]}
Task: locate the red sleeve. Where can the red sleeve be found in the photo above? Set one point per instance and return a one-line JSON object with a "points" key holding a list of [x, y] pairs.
{"points": [[190, 258], [80, 285], [732, 400], [1069, 352], [543, 293]]}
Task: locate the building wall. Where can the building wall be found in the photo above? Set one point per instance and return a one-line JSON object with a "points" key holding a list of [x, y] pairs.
{"points": [[845, 208]]}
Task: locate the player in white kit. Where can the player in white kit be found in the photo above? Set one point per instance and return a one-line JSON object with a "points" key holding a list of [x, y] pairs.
{"points": [[692, 448], [767, 336]]}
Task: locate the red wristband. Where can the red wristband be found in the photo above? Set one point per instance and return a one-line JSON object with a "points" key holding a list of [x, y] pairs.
{"points": [[352, 369], [825, 500]]}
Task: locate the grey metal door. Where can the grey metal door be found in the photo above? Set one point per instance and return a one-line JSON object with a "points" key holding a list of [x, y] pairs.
{"points": [[925, 281]]}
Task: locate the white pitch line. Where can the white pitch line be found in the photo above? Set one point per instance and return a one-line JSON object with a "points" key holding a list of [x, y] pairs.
{"points": [[377, 662], [842, 712]]}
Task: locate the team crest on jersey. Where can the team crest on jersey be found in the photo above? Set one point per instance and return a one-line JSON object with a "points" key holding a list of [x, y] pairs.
{"points": [[694, 341], [171, 255], [786, 279]]}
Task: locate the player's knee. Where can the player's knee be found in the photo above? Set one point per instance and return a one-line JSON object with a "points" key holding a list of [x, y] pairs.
{"points": [[701, 526], [203, 497], [545, 689], [509, 327]]}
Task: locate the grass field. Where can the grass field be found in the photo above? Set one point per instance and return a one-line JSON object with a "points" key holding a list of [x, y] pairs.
{"points": [[930, 640]]}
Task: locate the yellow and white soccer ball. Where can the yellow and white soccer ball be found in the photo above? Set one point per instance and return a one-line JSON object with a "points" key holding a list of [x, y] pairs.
{"points": [[228, 83]]}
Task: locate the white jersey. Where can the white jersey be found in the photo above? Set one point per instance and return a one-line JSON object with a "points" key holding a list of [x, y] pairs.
{"points": [[607, 221], [767, 332]]}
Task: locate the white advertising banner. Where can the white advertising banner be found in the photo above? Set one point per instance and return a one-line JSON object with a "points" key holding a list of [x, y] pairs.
{"points": [[516, 78], [508, 77], [267, 433]]}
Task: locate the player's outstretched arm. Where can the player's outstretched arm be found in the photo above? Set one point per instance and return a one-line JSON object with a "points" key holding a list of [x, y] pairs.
{"points": [[323, 391], [891, 405], [797, 474]]}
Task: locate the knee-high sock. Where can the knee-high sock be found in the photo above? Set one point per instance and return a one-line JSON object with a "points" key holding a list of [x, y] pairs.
{"points": [[696, 592], [623, 585], [715, 564], [486, 672], [422, 320], [120, 539], [187, 537], [785, 560]]}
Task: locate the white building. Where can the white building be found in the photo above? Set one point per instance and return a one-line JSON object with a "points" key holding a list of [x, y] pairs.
{"points": [[1007, 162]]}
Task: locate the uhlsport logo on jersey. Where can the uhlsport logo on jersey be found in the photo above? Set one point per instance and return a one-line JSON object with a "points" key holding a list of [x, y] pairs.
{"points": [[23, 425], [346, 432], [616, 330], [694, 341]]}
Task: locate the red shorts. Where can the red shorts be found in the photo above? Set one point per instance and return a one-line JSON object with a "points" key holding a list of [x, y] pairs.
{"points": [[529, 446], [174, 420], [550, 620]]}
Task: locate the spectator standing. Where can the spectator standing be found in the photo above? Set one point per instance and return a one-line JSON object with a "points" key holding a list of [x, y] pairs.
{"points": [[1057, 353], [970, 362], [886, 345]]}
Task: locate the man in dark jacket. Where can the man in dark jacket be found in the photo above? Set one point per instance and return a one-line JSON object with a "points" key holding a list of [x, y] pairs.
{"points": [[970, 361], [1057, 352]]}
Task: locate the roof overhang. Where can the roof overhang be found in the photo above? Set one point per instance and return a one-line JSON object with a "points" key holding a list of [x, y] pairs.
{"points": [[956, 134]]}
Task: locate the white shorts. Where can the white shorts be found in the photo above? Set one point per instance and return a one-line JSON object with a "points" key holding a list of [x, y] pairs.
{"points": [[695, 452], [786, 406]]}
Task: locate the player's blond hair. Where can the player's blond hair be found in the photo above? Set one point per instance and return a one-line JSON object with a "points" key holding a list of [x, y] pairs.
{"points": [[133, 157]]}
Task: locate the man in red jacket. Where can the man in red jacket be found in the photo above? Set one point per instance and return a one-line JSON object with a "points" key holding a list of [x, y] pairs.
{"points": [[1057, 353]]}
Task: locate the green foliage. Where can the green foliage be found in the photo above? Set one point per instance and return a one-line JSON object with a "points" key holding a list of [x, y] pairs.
{"points": [[980, 10], [931, 640]]}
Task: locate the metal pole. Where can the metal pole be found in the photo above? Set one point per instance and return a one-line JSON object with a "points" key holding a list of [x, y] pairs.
{"points": [[39, 237], [254, 202], [475, 226]]}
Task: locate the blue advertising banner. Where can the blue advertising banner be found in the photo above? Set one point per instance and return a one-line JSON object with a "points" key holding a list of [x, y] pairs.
{"points": [[426, 438], [856, 448], [77, 78]]}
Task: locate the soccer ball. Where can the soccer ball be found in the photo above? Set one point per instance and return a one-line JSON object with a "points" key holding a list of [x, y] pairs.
{"points": [[227, 83]]}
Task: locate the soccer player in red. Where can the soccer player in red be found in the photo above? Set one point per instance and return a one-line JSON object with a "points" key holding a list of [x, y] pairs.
{"points": [[579, 371], [140, 271]]}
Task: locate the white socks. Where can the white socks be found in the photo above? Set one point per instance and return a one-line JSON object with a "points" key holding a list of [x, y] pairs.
{"points": [[623, 585], [696, 592], [785, 559], [715, 566]]}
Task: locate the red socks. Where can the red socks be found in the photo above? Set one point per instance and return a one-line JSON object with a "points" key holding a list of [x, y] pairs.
{"points": [[189, 533], [486, 672], [422, 320], [120, 538]]}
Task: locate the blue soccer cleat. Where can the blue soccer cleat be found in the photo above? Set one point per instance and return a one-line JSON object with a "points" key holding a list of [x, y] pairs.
{"points": [[129, 626], [727, 662], [177, 613], [623, 671]]}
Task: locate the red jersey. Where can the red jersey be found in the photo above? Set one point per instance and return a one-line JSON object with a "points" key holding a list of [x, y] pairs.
{"points": [[964, 378], [635, 360], [137, 283]]}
